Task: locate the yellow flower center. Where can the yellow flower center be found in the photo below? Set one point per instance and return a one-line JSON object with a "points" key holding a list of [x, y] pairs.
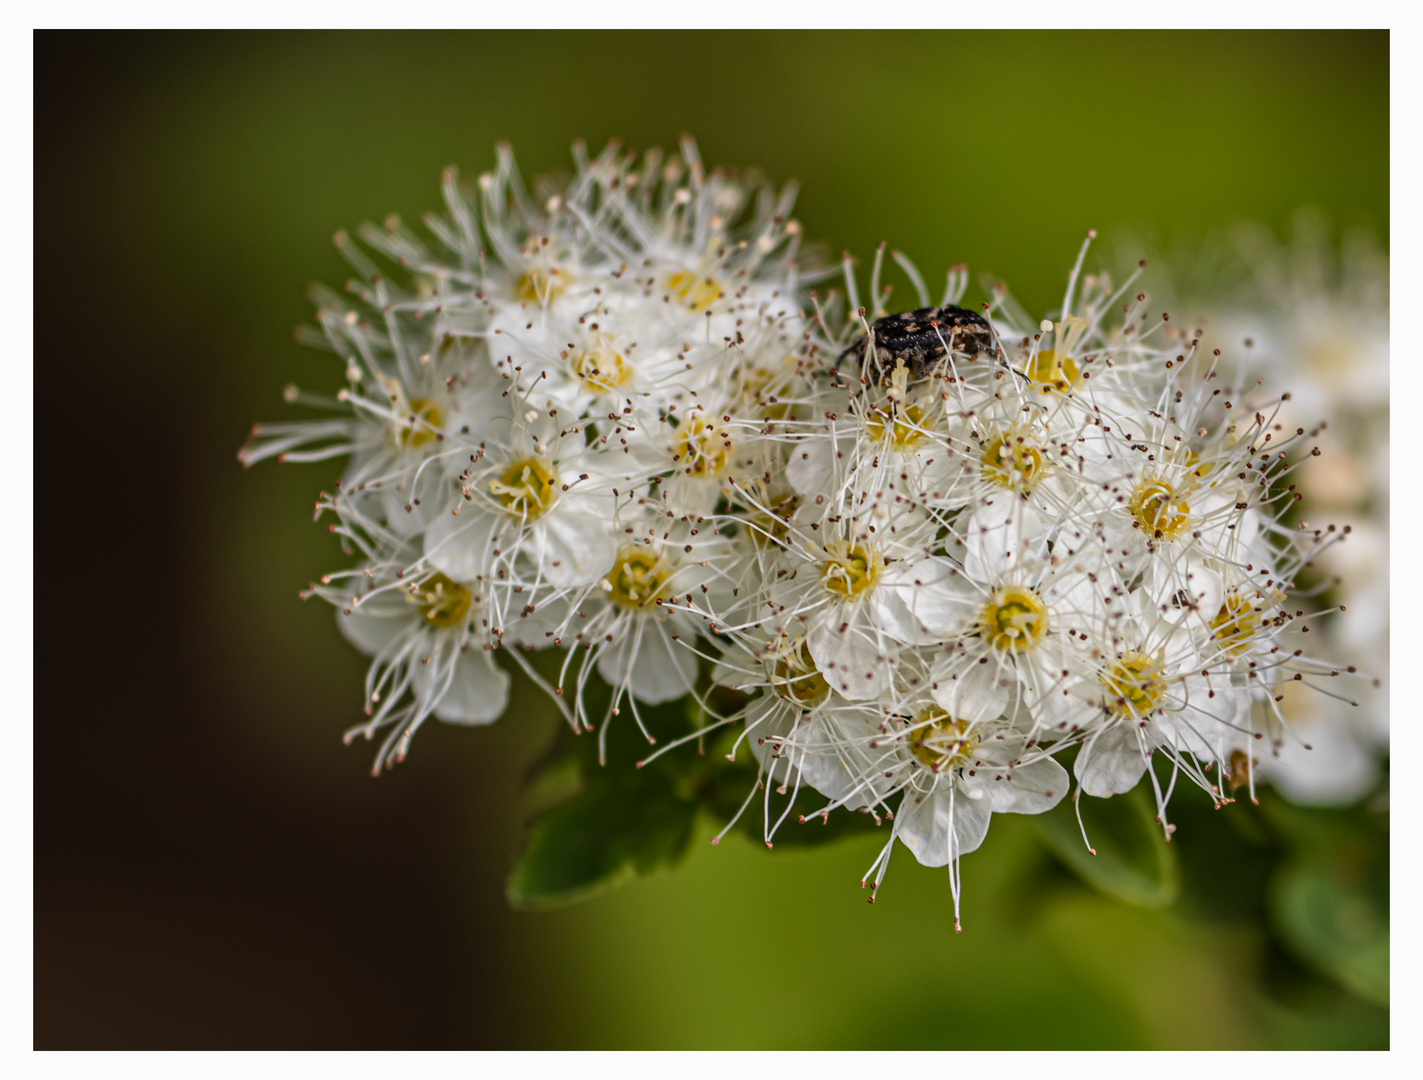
{"points": [[637, 578], [443, 602], [764, 391], [1235, 623], [1201, 470], [699, 292], [1159, 509], [1136, 682], [772, 525], [1051, 373], [701, 450], [908, 429], [798, 680], [1014, 619], [540, 286], [601, 367], [850, 570], [527, 489], [939, 740], [1012, 462], [420, 424]]}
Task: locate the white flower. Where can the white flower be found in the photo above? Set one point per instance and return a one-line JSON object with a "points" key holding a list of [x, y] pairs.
{"points": [[426, 639]]}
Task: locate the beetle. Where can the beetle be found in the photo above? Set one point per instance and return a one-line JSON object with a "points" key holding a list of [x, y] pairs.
{"points": [[918, 337]]}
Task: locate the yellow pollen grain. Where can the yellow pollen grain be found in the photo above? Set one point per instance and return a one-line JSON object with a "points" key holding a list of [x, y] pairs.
{"points": [[1135, 682], [1234, 625], [527, 489], [601, 367], [1014, 619], [941, 741], [1051, 374], [420, 424], [798, 680], [699, 292], [1013, 463], [772, 528], [443, 603], [637, 578], [540, 286], [850, 570], [702, 450], [908, 430], [1160, 510]]}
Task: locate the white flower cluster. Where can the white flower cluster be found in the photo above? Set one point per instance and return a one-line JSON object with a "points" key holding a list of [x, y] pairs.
{"points": [[931, 549], [543, 418], [1313, 317]]}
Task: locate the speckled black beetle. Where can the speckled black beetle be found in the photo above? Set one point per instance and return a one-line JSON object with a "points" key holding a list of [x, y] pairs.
{"points": [[917, 337]]}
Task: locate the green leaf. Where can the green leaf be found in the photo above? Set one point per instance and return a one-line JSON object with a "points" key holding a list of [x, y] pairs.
{"points": [[1330, 908], [1134, 863], [619, 827]]}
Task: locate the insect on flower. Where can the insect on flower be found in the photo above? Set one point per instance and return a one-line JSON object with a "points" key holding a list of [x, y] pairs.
{"points": [[919, 338]]}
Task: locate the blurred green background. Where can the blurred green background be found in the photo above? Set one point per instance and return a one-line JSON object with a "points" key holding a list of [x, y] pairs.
{"points": [[213, 868]]}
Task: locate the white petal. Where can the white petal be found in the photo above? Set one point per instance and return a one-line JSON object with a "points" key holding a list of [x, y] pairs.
{"points": [[1185, 586], [925, 825], [1026, 789], [812, 465], [924, 602], [852, 660], [477, 692], [462, 547], [573, 548], [1111, 762], [979, 693], [371, 631], [648, 662], [1000, 536]]}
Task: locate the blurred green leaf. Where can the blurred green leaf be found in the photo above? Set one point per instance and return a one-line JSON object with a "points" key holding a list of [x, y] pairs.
{"points": [[1133, 862], [616, 829], [622, 820], [1330, 909]]}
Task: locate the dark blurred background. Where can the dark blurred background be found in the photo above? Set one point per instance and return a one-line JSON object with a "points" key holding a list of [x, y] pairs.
{"points": [[213, 868]]}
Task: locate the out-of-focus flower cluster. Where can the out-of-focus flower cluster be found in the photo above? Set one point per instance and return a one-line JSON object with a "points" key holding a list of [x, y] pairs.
{"points": [[927, 553], [1311, 317]]}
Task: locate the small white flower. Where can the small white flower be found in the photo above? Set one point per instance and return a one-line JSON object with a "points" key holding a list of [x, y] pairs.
{"points": [[429, 656]]}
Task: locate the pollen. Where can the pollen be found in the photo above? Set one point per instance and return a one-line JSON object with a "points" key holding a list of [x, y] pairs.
{"points": [[699, 292], [940, 741], [1010, 461], [764, 391], [540, 286], [771, 528], [1050, 373], [1235, 624], [443, 603], [851, 570], [798, 680], [527, 489], [907, 431], [601, 367], [420, 424], [703, 449], [1014, 619], [637, 578], [1135, 681], [1159, 508]]}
